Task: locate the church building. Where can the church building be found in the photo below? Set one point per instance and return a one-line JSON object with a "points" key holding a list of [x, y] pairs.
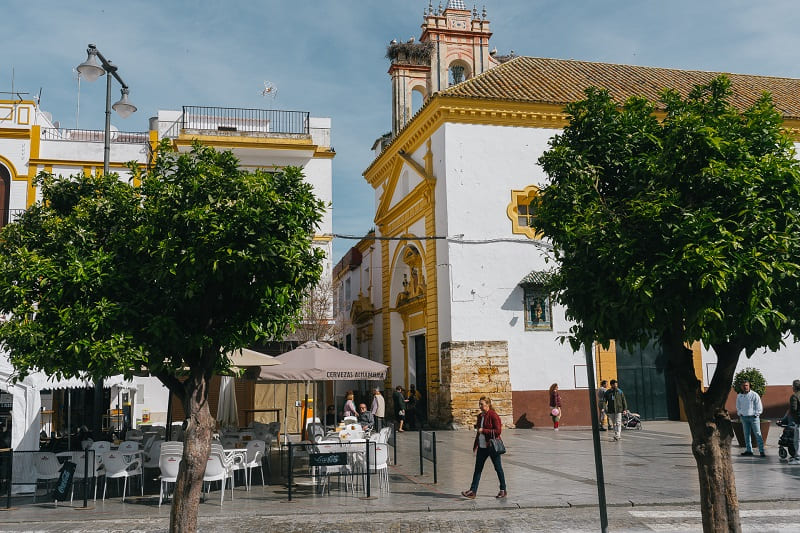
{"points": [[448, 288]]}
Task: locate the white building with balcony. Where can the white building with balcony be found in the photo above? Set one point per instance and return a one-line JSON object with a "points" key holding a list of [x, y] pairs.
{"points": [[31, 142]]}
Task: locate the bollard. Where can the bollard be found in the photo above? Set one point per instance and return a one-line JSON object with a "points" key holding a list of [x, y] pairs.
{"points": [[291, 465], [434, 458], [369, 474]]}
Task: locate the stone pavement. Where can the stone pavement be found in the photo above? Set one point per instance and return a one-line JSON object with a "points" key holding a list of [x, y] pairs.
{"points": [[551, 484]]}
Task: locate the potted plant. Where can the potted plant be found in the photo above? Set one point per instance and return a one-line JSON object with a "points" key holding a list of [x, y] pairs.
{"points": [[759, 385]]}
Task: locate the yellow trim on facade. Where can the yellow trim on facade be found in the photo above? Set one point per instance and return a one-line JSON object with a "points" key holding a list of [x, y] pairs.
{"points": [[225, 141], [441, 109], [36, 137], [81, 163], [27, 112], [9, 117], [364, 244], [464, 110], [15, 133], [322, 237], [11, 168], [606, 362], [324, 152]]}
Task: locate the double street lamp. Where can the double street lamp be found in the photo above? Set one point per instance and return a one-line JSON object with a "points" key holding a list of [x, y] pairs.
{"points": [[91, 70]]}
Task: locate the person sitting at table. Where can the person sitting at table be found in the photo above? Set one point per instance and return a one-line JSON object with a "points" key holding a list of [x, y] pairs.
{"points": [[365, 418], [330, 416]]}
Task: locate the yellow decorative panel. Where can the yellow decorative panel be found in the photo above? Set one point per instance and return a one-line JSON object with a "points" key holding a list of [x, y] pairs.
{"points": [[24, 115], [416, 322], [606, 362], [521, 213], [6, 112]]}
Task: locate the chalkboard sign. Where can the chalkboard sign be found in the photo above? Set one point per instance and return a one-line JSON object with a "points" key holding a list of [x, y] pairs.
{"points": [[327, 459], [64, 484]]}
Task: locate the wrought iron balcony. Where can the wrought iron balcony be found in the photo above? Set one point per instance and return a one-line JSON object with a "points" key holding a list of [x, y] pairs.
{"points": [[231, 120]]}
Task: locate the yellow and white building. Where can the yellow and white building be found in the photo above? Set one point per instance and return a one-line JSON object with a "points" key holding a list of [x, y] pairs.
{"points": [[448, 288]]}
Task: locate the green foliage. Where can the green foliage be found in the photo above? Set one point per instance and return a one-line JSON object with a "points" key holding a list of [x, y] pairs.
{"points": [[754, 376], [688, 223], [190, 259]]}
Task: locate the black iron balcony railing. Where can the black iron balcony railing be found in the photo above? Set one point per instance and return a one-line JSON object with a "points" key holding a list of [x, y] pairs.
{"points": [[231, 119], [9, 215], [122, 137]]}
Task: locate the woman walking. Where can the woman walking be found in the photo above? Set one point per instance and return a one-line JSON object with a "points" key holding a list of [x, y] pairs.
{"points": [[399, 402], [488, 427], [555, 405]]}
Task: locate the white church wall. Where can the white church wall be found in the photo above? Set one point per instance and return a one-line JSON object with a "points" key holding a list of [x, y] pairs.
{"points": [[484, 164]]}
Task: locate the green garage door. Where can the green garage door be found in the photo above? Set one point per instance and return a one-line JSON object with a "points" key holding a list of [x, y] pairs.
{"points": [[649, 389]]}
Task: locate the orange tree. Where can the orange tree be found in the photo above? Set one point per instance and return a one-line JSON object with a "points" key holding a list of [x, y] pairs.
{"points": [[168, 272], [685, 229]]}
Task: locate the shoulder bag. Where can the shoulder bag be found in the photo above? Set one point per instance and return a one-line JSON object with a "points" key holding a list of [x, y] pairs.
{"points": [[497, 446]]}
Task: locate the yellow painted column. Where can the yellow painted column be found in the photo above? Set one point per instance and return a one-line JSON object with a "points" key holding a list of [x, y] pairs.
{"points": [[606, 362]]}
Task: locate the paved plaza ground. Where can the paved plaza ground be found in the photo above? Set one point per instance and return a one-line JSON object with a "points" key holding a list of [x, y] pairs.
{"points": [[651, 485]]}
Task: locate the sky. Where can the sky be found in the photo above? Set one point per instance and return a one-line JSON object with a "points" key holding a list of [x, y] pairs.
{"points": [[328, 58]]}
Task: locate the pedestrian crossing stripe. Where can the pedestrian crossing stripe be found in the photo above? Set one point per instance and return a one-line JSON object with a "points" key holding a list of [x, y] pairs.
{"points": [[743, 513]]}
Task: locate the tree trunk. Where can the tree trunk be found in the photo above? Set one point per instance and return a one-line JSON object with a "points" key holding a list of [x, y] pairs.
{"points": [[711, 431], [196, 447]]}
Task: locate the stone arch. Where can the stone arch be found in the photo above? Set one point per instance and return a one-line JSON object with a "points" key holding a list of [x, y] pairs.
{"points": [[407, 273], [419, 95]]}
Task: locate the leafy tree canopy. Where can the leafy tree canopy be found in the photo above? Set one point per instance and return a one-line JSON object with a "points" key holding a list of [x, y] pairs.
{"points": [[685, 221], [191, 258]]}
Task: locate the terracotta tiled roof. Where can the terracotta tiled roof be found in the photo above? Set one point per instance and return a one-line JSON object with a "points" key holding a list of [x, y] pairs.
{"points": [[558, 81]]}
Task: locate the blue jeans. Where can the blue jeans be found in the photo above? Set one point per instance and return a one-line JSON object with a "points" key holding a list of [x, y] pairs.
{"points": [[752, 423], [480, 460]]}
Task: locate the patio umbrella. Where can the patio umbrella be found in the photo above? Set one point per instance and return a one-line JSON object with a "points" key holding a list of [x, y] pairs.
{"points": [[227, 411], [319, 361]]}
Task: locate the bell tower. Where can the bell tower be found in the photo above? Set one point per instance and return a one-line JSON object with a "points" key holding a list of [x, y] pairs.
{"points": [[453, 47]]}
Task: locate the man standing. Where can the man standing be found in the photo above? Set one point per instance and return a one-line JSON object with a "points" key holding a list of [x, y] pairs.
{"points": [[794, 419], [378, 409], [601, 405], [616, 404], [748, 405]]}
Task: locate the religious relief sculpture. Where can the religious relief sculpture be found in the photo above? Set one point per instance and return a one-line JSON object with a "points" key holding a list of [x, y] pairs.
{"points": [[414, 280]]}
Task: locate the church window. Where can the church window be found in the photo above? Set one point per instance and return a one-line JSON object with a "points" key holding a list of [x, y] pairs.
{"points": [[522, 211]]}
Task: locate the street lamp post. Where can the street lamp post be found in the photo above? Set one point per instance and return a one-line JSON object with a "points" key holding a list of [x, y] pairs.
{"points": [[91, 70]]}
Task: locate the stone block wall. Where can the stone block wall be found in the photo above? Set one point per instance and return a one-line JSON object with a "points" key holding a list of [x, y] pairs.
{"points": [[470, 370]]}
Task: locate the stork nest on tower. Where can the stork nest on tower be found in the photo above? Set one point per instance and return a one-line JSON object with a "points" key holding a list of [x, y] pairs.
{"points": [[419, 53]]}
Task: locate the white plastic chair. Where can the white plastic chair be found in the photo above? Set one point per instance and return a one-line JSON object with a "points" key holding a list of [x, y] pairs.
{"points": [[255, 454], [380, 463], [152, 456], [129, 447], [47, 468], [117, 467], [79, 458], [218, 470], [230, 442], [100, 447], [169, 462]]}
